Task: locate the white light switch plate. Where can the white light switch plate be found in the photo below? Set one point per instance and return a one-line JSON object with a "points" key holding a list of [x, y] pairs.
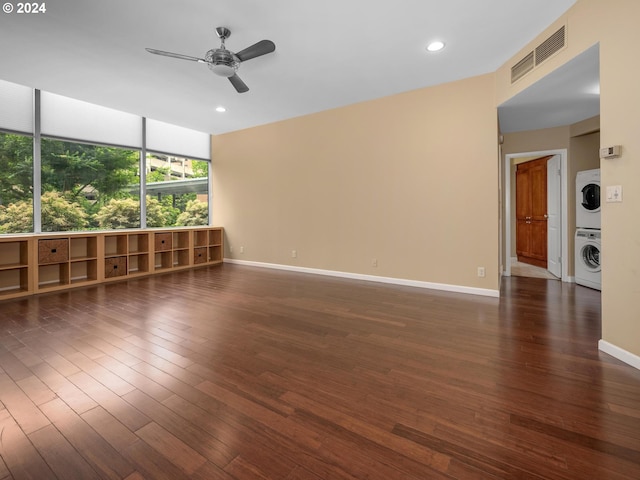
{"points": [[614, 193]]}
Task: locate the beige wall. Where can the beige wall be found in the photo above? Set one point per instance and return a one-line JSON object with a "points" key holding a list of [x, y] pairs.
{"points": [[410, 180], [615, 24]]}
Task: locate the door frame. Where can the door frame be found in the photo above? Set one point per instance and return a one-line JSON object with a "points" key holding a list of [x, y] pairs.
{"points": [[564, 207]]}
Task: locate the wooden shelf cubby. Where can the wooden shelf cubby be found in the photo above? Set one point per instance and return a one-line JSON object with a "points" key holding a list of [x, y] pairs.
{"points": [[181, 241], [215, 246], [15, 275], [138, 254], [115, 255]]}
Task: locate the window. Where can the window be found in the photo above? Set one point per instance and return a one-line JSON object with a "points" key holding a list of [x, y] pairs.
{"points": [[177, 191], [86, 174], [16, 183], [88, 187]]}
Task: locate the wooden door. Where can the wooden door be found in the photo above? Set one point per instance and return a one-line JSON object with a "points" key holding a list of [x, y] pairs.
{"points": [[531, 212]]}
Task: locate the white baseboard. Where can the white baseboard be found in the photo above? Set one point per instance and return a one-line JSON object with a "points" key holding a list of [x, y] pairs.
{"points": [[619, 353], [371, 278]]}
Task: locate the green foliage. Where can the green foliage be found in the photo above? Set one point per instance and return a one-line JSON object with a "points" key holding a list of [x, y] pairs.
{"points": [[119, 213], [200, 168], [159, 215], [158, 175], [58, 215], [76, 168], [166, 203], [196, 213], [180, 201], [125, 213], [17, 217], [16, 168]]}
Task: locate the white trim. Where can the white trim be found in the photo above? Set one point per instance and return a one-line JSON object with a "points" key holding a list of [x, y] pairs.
{"points": [[619, 353], [371, 278], [564, 207]]}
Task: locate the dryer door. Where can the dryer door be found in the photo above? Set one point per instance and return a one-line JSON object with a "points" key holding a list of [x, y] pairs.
{"points": [[591, 197]]}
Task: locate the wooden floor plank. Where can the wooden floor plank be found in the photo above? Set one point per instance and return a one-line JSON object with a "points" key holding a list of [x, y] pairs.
{"points": [[36, 390], [64, 389], [109, 428], [20, 456], [114, 404], [191, 433], [171, 447], [60, 455], [234, 372], [20, 406], [103, 458], [152, 464]]}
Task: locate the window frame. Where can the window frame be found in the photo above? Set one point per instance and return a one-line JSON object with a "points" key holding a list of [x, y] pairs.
{"points": [[142, 149]]}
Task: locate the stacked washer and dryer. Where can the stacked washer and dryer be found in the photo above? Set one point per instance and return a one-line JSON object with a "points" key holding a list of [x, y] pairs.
{"points": [[587, 242]]}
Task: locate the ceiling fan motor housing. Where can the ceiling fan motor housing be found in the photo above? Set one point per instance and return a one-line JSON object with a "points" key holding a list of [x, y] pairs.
{"points": [[222, 62]]}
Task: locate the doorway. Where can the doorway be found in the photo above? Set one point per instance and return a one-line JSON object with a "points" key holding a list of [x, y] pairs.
{"points": [[558, 239], [531, 212]]}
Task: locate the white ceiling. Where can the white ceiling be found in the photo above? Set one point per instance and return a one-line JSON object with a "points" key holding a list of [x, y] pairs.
{"points": [[328, 54]]}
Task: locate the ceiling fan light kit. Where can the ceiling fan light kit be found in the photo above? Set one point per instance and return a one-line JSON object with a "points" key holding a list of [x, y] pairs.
{"points": [[224, 68], [224, 62]]}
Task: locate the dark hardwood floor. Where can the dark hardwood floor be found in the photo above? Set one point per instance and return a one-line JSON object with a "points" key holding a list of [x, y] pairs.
{"points": [[234, 372]]}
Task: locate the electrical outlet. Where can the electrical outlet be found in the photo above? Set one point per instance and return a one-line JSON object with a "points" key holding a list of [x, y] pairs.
{"points": [[242, 249], [294, 254], [374, 262], [231, 248], [481, 272]]}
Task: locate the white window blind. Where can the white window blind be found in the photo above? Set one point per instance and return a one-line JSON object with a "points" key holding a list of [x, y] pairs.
{"points": [[77, 120], [16, 107], [172, 139]]}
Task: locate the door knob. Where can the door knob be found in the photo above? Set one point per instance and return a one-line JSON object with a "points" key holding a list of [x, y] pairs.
{"points": [[546, 216]]}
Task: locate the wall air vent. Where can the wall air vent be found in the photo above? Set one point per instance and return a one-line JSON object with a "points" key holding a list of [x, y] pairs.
{"points": [[521, 68], [542, 52], [550, 46]]}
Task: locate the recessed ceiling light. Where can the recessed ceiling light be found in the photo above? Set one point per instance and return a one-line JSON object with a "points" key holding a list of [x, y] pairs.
{"points": [[435, 46], [221, 109]]}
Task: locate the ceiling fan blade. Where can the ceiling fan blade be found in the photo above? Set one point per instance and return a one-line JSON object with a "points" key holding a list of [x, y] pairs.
{"points": [[238, 84], [175, 55], [261, 48]]}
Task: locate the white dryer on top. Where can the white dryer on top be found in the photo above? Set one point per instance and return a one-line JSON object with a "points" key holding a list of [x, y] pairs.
{"points": [[588, 199]]}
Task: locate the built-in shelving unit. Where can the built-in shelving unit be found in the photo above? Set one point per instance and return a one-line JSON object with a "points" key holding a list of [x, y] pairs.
{"points": [[31, 264]]}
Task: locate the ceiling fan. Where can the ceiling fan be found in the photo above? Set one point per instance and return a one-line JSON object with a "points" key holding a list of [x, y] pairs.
{"points": [[224, 62]]}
